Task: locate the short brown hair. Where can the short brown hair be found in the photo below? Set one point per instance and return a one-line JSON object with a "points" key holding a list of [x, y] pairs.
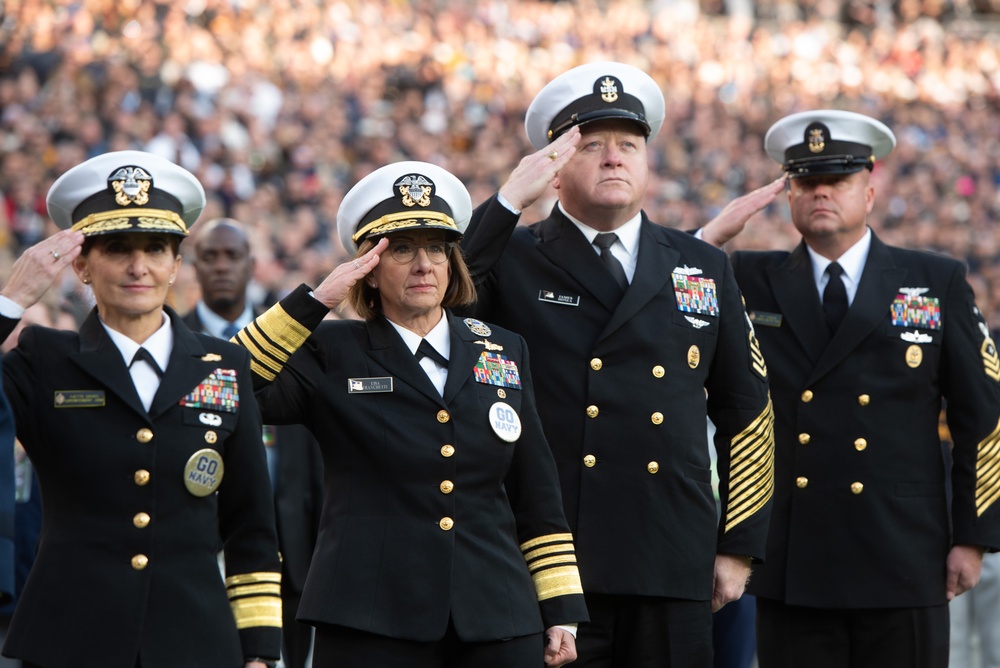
{"points": [[367, 302]]}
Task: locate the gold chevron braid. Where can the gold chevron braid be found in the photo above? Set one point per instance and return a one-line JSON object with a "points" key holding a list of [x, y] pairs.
{"points": [[991, 362], [988, 471], [751, 468], [757, 357]]}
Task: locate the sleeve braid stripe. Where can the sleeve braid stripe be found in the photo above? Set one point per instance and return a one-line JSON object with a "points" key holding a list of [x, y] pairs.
{"points": [[987, 479], [553, 582], [751, 480]]}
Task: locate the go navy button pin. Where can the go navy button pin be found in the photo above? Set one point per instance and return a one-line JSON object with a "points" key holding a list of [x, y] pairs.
{"points": [[478, 327], [505, 422], [203, 472]]}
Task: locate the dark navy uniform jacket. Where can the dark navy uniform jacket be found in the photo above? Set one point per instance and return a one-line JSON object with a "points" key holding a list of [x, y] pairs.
{"points": [[861, 517], [127, 565], [622, 383], [430, 513]]}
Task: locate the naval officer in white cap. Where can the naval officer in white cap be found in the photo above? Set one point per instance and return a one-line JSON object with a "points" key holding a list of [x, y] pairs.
{"points": [[629, 322], [147, 443], [443, 539], [865, 342]]}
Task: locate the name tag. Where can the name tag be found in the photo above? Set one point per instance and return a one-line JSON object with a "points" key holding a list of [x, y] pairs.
{"points": [[79, 399], [765, 319], [553, 298], [369, 385]]}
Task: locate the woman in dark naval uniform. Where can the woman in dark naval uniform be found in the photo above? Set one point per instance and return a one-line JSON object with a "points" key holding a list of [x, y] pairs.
{"points": [[147, 443], [443, 541]]}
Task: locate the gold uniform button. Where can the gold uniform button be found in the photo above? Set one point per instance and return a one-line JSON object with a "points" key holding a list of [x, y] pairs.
{"points": [[502, 393], [864, 400], [141, 477], [857, 487], [443, 416], [447, 486], [659, 371], [589, 461], [592, 411], [807, 396], [657, 418], [447, 450], [140, 561], [144, 435], [596, 364], [652, 467], [802, 482], [141, 520], [804, 439], [446, 523], [860, 444]]}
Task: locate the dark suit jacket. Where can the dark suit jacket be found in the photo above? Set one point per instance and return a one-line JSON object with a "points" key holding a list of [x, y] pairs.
{"points": [[298, 493], [102, 461], [860, 516], [622, 394], [429, 514], [7, 487]]}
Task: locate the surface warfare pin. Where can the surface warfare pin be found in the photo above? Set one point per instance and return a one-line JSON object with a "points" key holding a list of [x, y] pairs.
{"points": [[505, 422], [203, 472]]}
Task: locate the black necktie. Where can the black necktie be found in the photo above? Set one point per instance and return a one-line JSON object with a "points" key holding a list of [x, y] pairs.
{"points": [[143, 354], [427, 350], [604, 242], [834, 297]]}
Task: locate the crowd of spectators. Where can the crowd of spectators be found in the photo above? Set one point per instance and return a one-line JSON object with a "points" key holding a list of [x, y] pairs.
{"points": [[279, 106]]}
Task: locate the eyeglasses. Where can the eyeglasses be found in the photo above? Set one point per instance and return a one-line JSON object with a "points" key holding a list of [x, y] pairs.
{"points": [[437, 252]]}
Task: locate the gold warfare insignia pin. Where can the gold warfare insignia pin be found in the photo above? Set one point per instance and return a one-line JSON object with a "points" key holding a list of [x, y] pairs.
{"points": [[489, 345], [203, 472], [478, 327], [131, 185], [694, 357], [914, 356], [211, 357], [415, 189]]}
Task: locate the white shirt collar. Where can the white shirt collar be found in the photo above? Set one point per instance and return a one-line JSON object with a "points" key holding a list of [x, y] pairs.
{"points": [[628, 233], [852, 262], [212, 323], [439, 336], [160, 344]]}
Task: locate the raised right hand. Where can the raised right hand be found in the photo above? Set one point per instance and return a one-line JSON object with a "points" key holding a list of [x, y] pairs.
{"points": [[38, 267]]}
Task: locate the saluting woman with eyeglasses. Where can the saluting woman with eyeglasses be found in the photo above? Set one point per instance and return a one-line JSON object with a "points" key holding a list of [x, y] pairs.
{"points": [[443, 540]]}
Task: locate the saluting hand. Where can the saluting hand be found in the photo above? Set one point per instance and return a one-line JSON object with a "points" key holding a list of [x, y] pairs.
{"points": [[335, 287], [535, 172], [38, 267], [735, 215], [560, 647]]}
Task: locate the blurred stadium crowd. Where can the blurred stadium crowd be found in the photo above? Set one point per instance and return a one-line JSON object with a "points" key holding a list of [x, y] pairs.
{"points": [[279, 106]]}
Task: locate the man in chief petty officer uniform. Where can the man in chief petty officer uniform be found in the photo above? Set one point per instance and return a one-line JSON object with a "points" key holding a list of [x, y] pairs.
{"points": [[630, 323], [865, 342]]}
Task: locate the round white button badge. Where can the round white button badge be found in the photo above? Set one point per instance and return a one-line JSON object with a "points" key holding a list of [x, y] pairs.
{"points": [[505, 422]]}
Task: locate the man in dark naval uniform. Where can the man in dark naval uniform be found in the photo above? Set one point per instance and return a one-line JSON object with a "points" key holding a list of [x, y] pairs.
{"points": [[639, 335], [223, 264], [865, 343]]}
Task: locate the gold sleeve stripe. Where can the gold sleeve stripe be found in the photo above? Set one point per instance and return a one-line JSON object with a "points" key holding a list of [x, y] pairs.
{"points": [[561, 581], [261, 350], [253, 578], [545, 540], [282, 328], [988, 471], [547, 550], [559, 560], [257, 611], [751, 468], [269, 588]]}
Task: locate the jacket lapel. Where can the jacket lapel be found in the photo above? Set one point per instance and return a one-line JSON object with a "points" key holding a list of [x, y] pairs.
{"points": [[462, 357], [186, 368], [100, 358], [653, 269], [388, 351], [794, 289], [566, 247], [879, 285]]}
